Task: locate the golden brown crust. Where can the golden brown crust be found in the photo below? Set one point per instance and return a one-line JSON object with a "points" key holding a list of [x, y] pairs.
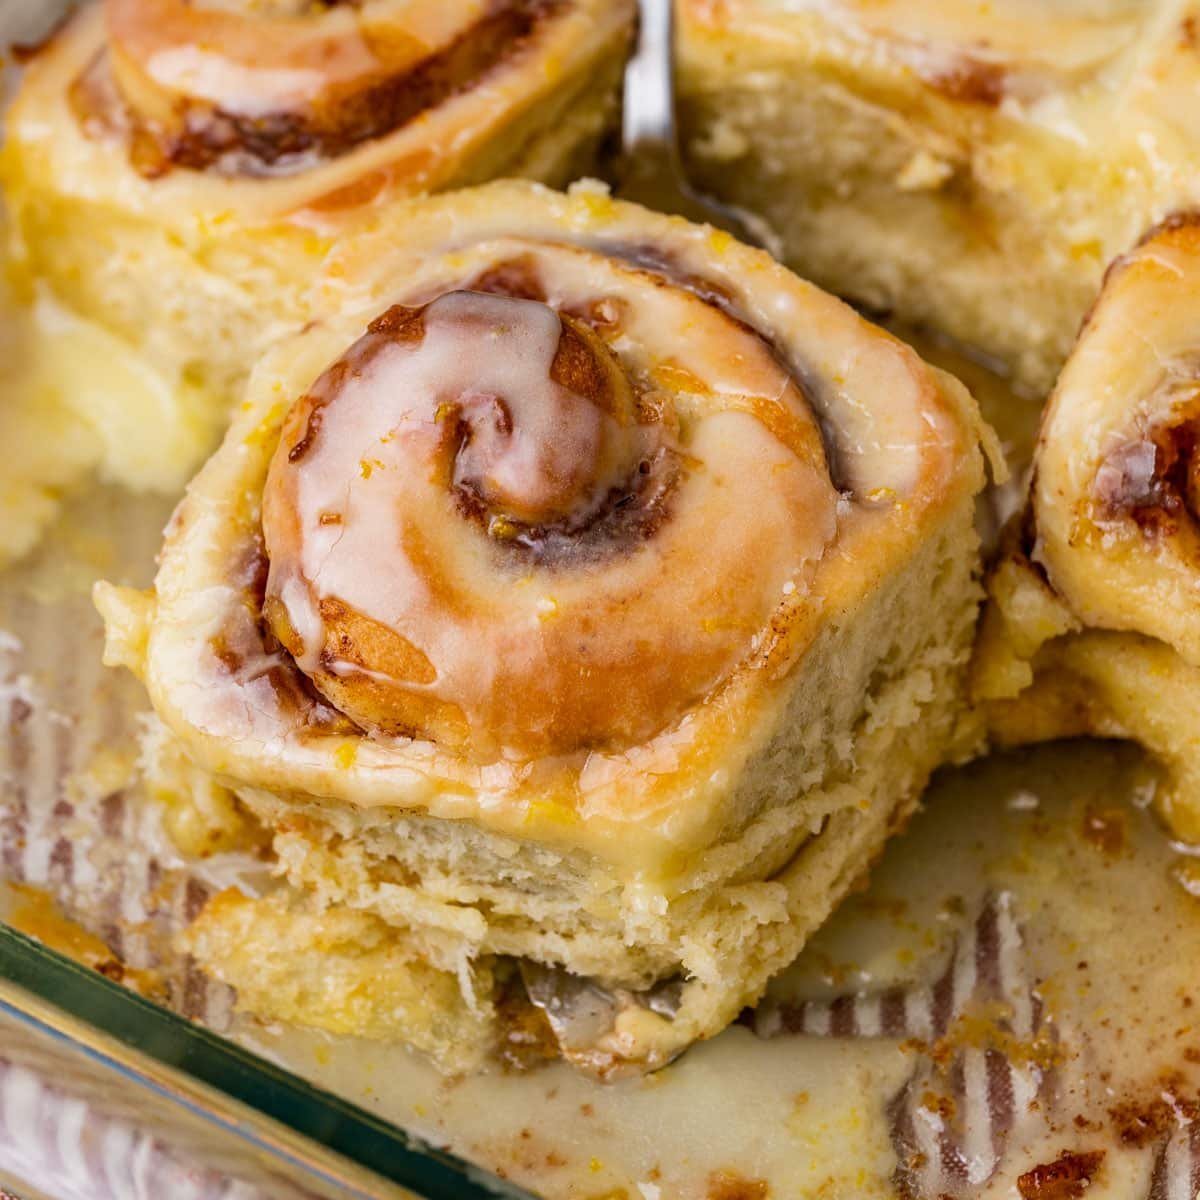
{"points": [[548, 67], [362, 78], [599, 678], [1091, 627], [1117, 483]]}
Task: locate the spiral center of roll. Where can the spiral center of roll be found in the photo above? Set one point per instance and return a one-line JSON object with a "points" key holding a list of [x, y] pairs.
{"points": [[246, 89], [1155, 479], [528, 418], [547, 430], [487, 531], [474, 425]]}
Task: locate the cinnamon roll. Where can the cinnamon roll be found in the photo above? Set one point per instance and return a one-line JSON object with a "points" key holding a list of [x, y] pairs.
{"points": [[176, 168], [581, 599], [1092, 625], [965, 166]]}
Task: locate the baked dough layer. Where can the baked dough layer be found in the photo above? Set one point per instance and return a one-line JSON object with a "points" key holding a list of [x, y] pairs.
{"points": [[456, 900], [970, 168]]}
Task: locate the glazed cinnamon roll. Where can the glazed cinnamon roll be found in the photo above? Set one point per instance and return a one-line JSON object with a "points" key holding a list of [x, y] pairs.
{"points": [[1092, 626], [581, 600], [176, 168], [969, 167]]}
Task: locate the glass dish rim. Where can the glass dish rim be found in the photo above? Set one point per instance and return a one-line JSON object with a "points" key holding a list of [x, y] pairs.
{"points": [[148, 1046]]}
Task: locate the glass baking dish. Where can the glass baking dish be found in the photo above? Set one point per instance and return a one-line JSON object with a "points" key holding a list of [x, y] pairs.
{"points": [[104, 1092], [84, 1060]]}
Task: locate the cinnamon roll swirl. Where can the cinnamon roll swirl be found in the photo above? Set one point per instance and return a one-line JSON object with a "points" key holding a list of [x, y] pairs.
{"points": [[581, 599], [176, 168], [969, 167], [1092, 626]]}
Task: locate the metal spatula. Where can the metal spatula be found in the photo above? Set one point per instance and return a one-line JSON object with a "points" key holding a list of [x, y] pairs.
{"points": [[651, 170]]}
